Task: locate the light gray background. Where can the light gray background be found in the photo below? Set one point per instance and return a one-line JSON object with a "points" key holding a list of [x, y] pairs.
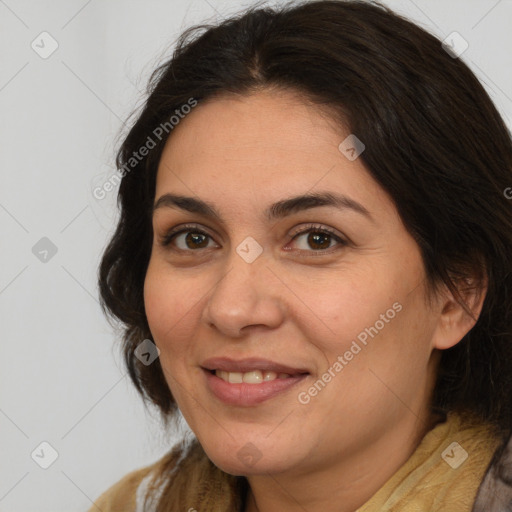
{"points": [[61, 377]]}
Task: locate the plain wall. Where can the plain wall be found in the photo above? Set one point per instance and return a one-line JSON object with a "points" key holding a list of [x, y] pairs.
{"points": [[61, 376]]}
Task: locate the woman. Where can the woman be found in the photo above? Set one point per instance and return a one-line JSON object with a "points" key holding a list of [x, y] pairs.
{"points": [[312, 266]]}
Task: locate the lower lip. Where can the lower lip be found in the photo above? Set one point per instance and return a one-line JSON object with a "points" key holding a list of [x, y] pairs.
{"points": [[244, 394]]}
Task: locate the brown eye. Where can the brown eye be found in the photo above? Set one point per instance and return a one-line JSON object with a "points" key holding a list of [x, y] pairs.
{"points": [[317, 239], [195, 240], [188, 239]]}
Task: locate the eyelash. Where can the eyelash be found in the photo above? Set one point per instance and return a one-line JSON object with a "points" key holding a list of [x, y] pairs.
{"points": [[310, 228]]}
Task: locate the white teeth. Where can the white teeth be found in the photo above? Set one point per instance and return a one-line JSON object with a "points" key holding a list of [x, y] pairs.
{"points": [[222, 374], [235, 377], [254, 377]]}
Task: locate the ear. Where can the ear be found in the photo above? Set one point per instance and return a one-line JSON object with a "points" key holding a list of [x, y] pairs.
{"points": [[454, 320]]}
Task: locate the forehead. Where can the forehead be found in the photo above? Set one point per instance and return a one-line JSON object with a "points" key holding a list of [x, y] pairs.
{"points": [[263, 146], [260, 126]]}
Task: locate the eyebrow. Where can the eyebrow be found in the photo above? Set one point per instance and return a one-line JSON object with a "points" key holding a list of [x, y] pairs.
{"points": [[278, 210]]}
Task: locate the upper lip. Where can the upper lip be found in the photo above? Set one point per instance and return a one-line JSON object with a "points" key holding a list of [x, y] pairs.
{"points": [[250, 364]]}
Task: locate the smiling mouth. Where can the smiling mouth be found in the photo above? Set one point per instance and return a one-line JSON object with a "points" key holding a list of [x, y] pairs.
{"points": [[250, 381], [250, 388], [252, 377]]}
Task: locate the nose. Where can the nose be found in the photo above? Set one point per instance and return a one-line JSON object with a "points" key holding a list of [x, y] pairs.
{"points": [[245, 296]]}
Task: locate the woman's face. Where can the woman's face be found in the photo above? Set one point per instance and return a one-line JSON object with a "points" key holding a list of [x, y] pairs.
{"points": [[326, 294]]}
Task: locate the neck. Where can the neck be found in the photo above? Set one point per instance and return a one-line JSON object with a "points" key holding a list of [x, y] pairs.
{"points": [[348, 483]]}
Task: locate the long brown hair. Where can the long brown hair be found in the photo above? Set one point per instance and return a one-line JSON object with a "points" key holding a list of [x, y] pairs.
{"points": [[434, 141]]}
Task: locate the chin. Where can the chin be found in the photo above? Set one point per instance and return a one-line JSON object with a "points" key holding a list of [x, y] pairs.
{"points": [[245, 458], [248, 468]]}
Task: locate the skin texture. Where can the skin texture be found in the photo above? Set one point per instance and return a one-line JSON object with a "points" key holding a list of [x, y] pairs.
{"points": [[295, 304]]}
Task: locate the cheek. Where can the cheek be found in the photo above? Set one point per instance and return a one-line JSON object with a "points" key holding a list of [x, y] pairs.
{"points": [[169, 307], [373, 322], [397, 353], [170, 313], [350, 309]]}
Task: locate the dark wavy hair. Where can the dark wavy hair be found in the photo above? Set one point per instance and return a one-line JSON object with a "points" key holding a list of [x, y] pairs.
{"points": [[435, 143]]}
